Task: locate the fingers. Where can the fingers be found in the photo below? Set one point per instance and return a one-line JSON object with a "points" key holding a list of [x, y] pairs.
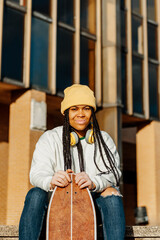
{"points": [[61, 179], [83, 180]]}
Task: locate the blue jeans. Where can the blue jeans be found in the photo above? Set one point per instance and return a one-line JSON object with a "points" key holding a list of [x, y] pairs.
{"points": [[35, 208]]}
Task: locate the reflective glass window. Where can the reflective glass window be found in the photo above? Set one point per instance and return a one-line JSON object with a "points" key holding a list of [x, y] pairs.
{"points": [[65, 11], [153, 91], [42, 6], [64, 59], [122, 3], [16, 1], [137, 34], [87, 62], [123, 28], [12, 44], [123, 79], [39, 53], [137, 85], [88, 16], [151, 9], [152, 41], [136, 6], [20, 2]]}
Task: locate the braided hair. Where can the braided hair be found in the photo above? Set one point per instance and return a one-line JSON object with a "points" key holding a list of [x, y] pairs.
{"points": [[98, 142]]}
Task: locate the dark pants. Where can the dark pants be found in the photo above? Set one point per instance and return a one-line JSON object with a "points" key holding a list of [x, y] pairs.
{"points": [[36, 204]]}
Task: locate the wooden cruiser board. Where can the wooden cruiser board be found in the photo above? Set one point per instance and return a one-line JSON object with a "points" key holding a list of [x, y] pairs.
{"points": [[71, 214]]}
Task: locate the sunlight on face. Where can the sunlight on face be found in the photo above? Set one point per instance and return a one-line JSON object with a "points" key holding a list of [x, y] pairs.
{"points": [[79, 118]]}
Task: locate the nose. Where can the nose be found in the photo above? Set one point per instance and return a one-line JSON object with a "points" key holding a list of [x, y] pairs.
{"points": [[80, 113]]}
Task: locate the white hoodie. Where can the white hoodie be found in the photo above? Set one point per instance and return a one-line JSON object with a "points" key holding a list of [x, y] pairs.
{"points": [[48, 159]]}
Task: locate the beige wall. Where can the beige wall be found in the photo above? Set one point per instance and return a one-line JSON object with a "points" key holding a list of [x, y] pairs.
{"points": [[148, 170], [21, 145], [4, 123], [107, 119]]}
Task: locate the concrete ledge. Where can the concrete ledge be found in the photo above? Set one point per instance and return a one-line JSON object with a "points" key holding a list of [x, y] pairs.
{"points": [[132, 232], [8, 232], [143, 232]]}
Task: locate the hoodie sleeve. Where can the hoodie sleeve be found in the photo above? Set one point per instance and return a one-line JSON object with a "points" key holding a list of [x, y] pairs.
{"points": [[42, 167], [102, 180]]}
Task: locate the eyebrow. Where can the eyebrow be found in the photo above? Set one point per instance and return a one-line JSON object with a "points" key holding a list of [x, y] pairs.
{"points": [[78, 106]]}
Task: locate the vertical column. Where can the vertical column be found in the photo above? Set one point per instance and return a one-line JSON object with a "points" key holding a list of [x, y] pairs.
{"points": [[52, 47], [21, 145], [77, 43], [145, 62], [111, 112], [148, 170], [129, 59], [98, 70], [27, 44]]}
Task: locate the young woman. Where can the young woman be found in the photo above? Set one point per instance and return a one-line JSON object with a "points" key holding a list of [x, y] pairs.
{"points": [[80, 147]]}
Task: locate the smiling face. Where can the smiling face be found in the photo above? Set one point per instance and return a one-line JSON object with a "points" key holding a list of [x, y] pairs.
{"points": [[79, 118]]}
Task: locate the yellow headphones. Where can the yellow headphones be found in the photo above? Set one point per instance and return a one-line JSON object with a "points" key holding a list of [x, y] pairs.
{"points": [[89, 137]]}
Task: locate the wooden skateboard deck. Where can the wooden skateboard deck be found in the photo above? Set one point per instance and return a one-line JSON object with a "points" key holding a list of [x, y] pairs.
{"points": [[71, 214]]}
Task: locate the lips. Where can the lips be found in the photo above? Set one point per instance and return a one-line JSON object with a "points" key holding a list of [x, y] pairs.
{"points": [[81, 122]]}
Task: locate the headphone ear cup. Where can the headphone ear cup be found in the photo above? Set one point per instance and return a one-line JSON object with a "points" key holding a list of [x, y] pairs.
{"points": [[89, 136], [73, 139]]}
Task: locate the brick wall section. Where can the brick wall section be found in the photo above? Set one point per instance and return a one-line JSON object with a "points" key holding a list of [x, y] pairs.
{"points": [[132, 232]]}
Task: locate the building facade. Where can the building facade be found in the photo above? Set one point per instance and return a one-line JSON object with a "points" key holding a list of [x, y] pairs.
{"points": [[113, 47]]}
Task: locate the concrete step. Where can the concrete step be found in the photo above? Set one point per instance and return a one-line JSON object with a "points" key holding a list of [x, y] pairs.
{"points": [[132, 232]]}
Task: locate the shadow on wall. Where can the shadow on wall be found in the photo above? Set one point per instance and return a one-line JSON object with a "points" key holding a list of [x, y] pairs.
{"points": [[4, 145]]}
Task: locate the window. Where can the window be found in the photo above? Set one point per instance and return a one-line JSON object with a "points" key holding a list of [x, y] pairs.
{"points": [[64, 59], [152, 41], [151, 9], [122, 4], [87, 64], [137, 85], [136, 7], [123, 28], [19, 2], [152, 59], [137, 36], [65, 12], [12, 44], [88, 16], [123, 80], [65, 43], [123, 56], [39, 72], [137, 57], [49, 45], [87, 42], [152, 30], [153, 90], [39, 53], [41, 6]]}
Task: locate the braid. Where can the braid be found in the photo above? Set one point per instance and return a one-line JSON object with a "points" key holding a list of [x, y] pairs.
{"points": [[80, 155], [80, 151], [66, 142], [101, 144]]}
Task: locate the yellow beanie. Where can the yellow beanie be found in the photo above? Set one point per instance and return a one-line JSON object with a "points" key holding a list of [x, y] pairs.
{"points": [[78, 94]]}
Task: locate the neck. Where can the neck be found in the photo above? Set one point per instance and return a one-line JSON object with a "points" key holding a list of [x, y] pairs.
{"points": [[81, 133]]}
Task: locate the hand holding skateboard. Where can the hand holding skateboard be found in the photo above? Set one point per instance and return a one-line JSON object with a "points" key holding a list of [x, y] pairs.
{"points": [[62, 179]]}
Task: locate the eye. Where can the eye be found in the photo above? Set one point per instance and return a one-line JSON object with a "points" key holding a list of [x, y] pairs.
{"points": [[73, 109], [87, 108]]}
